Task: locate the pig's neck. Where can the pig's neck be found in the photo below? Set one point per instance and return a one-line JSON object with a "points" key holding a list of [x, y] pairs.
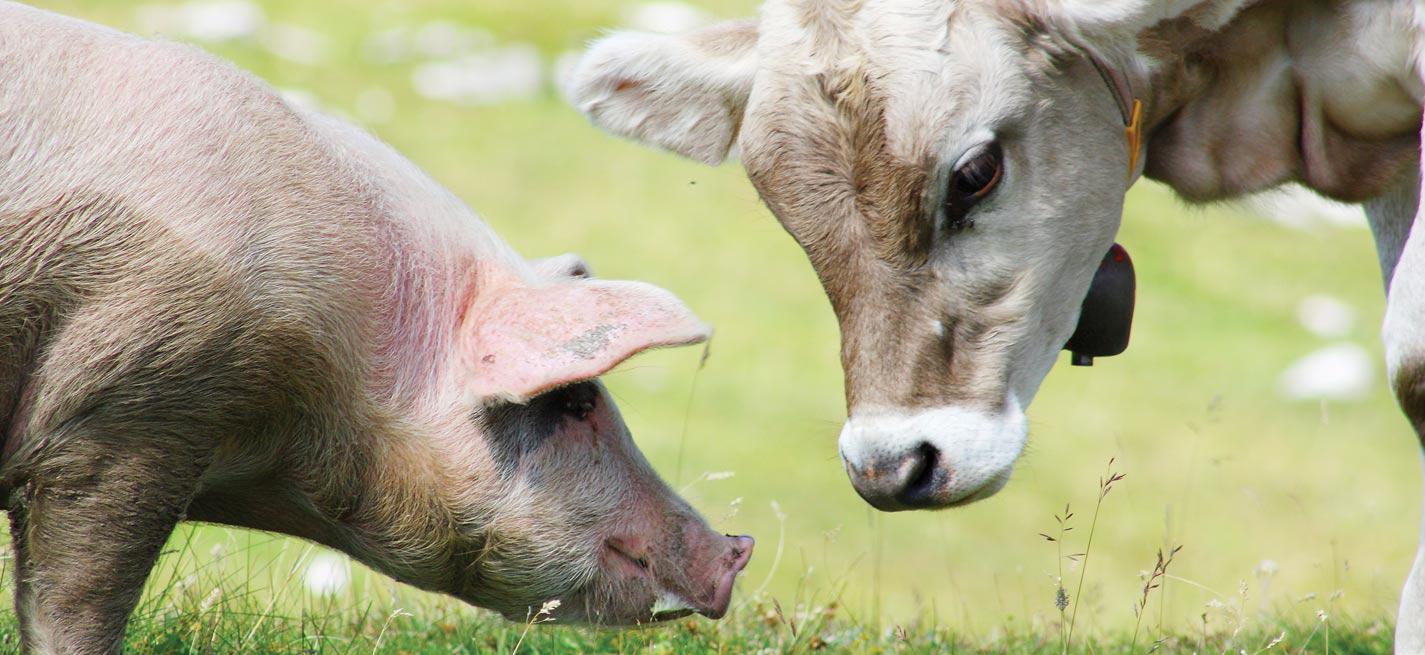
{"points": [[420, 448], [369, 487], [389, 505], [414, 368], [416, 328]]}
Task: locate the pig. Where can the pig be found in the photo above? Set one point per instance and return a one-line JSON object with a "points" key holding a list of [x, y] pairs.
{"points": [[217, 307]]}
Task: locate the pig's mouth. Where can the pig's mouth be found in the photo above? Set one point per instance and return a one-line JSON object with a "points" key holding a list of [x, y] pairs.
{"points": [[712, 603], [669, 607]]}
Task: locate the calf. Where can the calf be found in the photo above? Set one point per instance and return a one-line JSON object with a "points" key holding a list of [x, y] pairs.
{"points": [[215, 307], [955, 170]]}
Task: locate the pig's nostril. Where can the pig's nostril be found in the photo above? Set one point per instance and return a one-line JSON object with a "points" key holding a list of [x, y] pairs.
{"points": [[741, 551]]}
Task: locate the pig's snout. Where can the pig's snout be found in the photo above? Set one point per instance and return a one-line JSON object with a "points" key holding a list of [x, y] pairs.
{"points": [[695, 583], [738, 554]]}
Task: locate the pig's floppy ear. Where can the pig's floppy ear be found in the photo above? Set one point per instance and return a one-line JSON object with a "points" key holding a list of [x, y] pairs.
{"points": [[566, 265], [521, 341], [684, 93]]}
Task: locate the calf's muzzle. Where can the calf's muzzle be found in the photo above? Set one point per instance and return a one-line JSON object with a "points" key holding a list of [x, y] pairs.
{"points": [[927, 459]]}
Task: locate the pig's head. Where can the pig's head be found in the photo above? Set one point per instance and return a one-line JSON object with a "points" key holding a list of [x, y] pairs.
{"points": [[558, 502]]}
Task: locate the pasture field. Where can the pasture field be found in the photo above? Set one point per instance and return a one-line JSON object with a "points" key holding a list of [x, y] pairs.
{"points": [[192, 618], [1293, 516]]}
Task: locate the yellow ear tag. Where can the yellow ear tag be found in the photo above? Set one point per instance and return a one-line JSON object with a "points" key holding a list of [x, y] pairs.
{"points": [[1134, 132]]}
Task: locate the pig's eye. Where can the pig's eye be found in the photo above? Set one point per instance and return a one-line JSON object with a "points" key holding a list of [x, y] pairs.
{"points": [[579, 400], [975, 177], [642, 563]]}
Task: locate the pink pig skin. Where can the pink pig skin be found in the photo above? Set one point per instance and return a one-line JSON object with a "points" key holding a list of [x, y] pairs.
{"points": [[217, 307]]}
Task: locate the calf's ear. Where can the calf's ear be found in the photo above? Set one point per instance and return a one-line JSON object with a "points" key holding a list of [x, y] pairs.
{"points": [[1128, 18], [519, 341], [685, 93]]}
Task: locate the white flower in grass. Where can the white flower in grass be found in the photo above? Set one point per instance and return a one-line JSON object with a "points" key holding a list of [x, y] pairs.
{"points": [[328, 574], [492, 76], [1339, 372], [1326, 316], [297, 44], [212, 599], [375, 105], [203, 20], [665, 17]]}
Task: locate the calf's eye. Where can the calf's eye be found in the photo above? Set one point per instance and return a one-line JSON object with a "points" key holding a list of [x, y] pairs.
{"points": [[974, 178]]}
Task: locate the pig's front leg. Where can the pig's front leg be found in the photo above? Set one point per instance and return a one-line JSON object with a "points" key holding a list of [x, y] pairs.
{"points": [[87, 527]]}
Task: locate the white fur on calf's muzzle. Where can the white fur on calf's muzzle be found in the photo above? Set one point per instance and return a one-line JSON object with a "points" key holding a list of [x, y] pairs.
{"points": [[931, 458]]}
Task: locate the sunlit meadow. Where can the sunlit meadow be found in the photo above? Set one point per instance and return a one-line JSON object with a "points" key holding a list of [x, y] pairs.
{"points": [[1296, 507]]}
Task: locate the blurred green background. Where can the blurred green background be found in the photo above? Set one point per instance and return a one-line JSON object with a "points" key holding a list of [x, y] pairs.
{"points": [[1282, 505]]}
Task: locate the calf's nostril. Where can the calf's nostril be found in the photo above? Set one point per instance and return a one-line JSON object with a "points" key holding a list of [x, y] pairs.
{"points": [[913, 478], [922, 477]]}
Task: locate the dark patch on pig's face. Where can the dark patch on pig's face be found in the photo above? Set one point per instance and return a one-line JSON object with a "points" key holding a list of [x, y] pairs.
{"points": [[516, 430]]}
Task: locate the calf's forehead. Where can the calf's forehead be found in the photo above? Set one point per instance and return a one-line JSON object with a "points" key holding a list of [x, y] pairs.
{"points": [[937, 71]]}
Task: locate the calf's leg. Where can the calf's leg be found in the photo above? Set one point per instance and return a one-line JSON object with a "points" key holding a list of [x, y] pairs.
{"points": [[87, 528], [1395, 221]]}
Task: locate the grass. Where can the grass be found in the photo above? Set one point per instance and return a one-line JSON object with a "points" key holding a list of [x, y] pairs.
{"points": [[1314, 506], [207, 610], [757, 629]]}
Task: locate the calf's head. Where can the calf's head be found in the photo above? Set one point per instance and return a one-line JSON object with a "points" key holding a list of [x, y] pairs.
{"points": [[955, 170], [554, 500]]}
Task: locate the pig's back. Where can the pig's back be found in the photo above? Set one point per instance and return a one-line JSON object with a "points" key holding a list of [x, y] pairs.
{"points": [[164, 214], [174, 135]]}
